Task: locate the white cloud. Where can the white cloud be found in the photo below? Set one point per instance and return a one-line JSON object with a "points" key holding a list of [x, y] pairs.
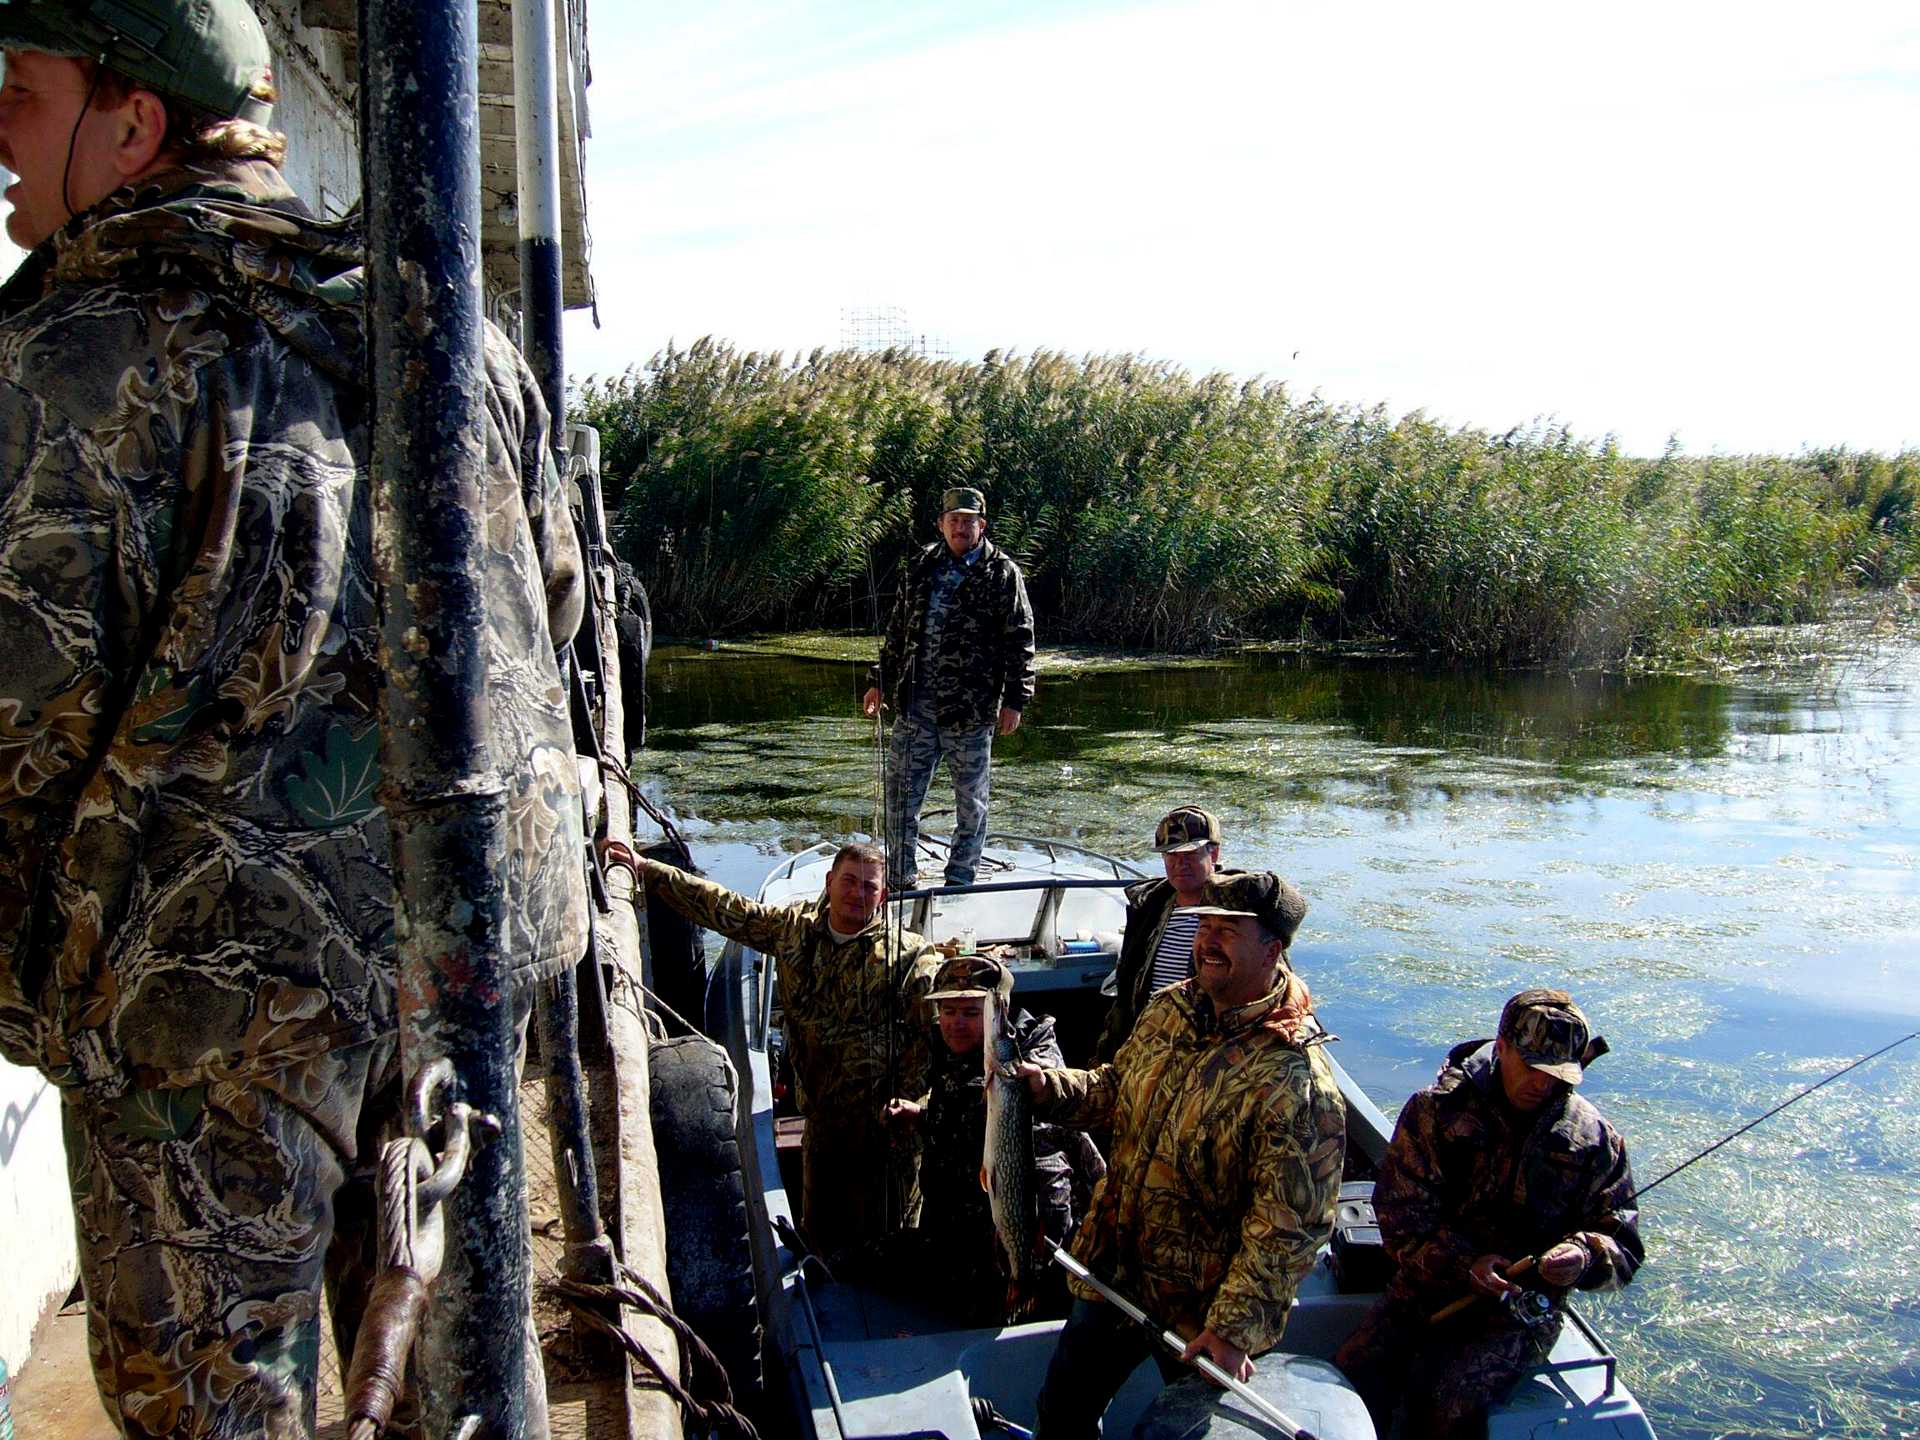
{"points": [[1645, 220]]}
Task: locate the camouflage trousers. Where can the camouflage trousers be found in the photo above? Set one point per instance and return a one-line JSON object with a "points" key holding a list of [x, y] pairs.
{"points": [[917, 747], [1444, 1375], [208, 1219]]}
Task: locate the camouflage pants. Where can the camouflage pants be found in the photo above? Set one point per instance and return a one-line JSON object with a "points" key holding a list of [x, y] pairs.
{"points": [[208, 1219], [917, 747], [1445, 1375]]}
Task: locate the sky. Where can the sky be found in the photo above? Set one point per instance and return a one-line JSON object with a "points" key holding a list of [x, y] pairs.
{"points": [[1681, 220]]}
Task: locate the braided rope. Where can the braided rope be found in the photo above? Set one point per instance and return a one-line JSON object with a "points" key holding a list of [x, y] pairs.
{"points": [[700, 1372]]}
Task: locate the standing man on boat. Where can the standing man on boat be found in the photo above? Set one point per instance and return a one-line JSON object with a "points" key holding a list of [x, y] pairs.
{"points": [[1496, 1163], [1156, 946], [1228, 1137], [196, 897], [851, 987], [956, 669]]}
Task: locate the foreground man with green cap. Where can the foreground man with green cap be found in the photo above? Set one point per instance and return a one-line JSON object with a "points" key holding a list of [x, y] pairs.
{"points": [[1228, 1138], [1495, 1163], [956, 669], [196, 899]]}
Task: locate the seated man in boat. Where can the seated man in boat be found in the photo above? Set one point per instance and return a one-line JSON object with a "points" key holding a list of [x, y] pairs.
{"points": [[951, 1120], [1156, 948], [1228, 1136], [196, 882], [956, 669], [1497, 1173], [850, 989]]}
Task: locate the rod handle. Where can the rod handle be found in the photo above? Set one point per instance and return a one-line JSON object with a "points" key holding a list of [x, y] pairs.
{"points": [[1448, 1311]]}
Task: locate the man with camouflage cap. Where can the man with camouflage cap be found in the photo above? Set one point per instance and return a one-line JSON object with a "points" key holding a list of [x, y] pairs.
{"points": [[1228, 1137], [196, 895], [1156, 945], [951, 1120], [849, 982], [956, 669], [1497, 1161]]}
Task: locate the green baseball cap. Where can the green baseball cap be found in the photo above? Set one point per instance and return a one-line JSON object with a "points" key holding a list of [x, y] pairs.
{"points": [[1186, 827], [211, 54], [1550, 1032], [1259, 895], [964, 499], [969, 977]]}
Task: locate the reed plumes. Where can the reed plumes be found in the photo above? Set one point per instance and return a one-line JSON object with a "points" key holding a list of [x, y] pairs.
{"points": [[1152, 507]]}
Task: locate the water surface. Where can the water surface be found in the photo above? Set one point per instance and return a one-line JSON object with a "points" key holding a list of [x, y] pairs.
{"points": [[1727, 875]]}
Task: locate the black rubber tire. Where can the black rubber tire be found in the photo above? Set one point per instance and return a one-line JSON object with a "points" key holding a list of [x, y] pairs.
{"points": [[693, 1094]]}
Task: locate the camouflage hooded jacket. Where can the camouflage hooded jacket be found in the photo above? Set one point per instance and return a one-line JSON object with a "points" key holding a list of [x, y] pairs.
{"points": [[1467, 1175], [853, 1011], [985, 660], [195, 883], [1229, 1135]]}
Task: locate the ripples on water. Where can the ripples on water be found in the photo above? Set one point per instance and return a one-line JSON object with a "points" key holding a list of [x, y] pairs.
{"points": [[1728, 877]]}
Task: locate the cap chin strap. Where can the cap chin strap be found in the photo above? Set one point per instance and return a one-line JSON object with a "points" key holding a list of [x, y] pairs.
{"points": [[66, 171]]}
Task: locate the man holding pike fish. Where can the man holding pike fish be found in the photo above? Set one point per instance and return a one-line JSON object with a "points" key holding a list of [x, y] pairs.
{"points": [[1228, 1137], [968, 1219]]}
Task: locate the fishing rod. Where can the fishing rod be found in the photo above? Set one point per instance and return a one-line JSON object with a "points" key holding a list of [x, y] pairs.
{"points": [[1202, 1362], [1521, 1267]]}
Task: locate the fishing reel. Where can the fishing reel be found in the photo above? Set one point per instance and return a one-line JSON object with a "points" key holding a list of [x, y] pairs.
{"points": [[1534, 1312]]}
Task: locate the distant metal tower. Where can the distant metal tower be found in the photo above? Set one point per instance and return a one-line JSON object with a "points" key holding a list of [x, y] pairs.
{"points": [[874, 328]]}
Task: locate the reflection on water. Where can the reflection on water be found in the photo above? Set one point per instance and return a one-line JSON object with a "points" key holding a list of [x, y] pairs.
{"points": [[1728, 876]]}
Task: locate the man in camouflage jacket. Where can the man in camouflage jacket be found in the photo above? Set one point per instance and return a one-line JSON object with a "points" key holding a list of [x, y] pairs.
{"points": [[851, 985], [956, 668], [196, 900], [1496, 1161], [1229, 1134]]}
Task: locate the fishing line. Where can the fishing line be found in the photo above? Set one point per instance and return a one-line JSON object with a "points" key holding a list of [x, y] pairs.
{"points": [[1770, 1114]]}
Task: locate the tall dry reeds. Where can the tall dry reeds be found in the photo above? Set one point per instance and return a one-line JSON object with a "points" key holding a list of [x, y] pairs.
{"points": [[1152, 507]]}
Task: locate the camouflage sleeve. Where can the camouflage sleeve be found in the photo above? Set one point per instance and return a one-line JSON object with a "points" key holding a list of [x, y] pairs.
{"points": [[1612, 1235], [767, 928], [1294, 1169], [1084, 1099], [1412, 1212], [519, 410], [1016, 690]]}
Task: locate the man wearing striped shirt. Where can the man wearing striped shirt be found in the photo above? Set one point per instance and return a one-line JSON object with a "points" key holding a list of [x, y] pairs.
{"points": [[1157, 948]]}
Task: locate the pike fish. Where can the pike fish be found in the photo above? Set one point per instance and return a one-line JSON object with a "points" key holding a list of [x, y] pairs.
{"points": [[1007, 1168]]}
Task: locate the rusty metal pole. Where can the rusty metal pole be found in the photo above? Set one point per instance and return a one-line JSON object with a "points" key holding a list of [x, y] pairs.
{"points": [[442, 789]]}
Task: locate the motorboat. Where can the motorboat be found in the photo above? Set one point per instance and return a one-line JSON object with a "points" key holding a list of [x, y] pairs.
{"points": [[851, 1359]]}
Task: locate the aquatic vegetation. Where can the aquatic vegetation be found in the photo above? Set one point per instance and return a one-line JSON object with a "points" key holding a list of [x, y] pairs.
{"points": [[1155, 508]]}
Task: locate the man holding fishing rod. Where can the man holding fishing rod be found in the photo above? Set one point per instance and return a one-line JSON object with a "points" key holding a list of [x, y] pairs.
{"points": [[1498, 1173], [851, 983], [956, 669], [1228, 1137]]}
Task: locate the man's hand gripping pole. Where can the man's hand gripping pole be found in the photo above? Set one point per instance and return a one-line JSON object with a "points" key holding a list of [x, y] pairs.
{"points": [[1173, 1342]]}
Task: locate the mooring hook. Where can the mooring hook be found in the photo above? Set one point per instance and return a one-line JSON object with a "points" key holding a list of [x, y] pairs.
{"points": [[433, 1077], [617, 854]]}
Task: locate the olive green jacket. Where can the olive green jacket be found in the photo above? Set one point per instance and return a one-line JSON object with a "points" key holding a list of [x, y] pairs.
{"points": [[195, 881], [1228, 1140], [853, 1013]]}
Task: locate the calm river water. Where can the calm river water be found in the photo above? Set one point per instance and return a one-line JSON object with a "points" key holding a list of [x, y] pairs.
{"points": [[1727, 875]]}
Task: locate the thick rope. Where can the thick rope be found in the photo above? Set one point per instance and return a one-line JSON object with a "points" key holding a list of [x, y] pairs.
{"points": [[701, 1374]]}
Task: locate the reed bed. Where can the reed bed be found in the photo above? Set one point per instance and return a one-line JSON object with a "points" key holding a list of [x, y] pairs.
{"points": [[1151, 507]]}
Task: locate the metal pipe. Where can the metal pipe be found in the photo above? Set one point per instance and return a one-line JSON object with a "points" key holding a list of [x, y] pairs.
{"points": [[536, 122], [441, 788]]}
